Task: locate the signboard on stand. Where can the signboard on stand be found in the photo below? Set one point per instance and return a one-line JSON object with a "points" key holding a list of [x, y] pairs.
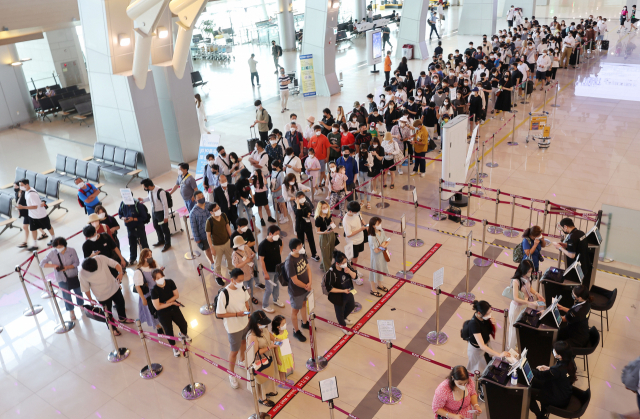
{"points": [[208, 145], [307, 76], [438, 278]]}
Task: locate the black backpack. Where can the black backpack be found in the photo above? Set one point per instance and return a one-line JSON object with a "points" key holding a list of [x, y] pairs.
{"points": [[464, 332], [281, 272], [270, 123], [226, 296], [143, 213], [169, 198]]}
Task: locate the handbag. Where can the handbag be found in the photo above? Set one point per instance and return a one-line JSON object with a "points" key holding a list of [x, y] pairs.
{"points": [[508, 292], [73, 282], [365, 232], [144, 287], [385, 252], [464, 394]]}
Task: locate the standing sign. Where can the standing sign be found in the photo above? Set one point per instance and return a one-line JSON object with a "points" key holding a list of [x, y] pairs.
{"points": [[403, 223], [386, 330], [329, 389], [127, 196], [208, 145], [438, 278], [415, 197], [307, 75]]}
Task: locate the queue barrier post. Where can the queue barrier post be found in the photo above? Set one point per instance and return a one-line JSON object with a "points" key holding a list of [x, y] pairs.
{"points": [[544, 217], [416, 242], [482, 174], [192, 390], [31, 310], [513, 131], [437, 337], [317, 362], [468, 222], [407, 274], [466, 294], [389, 394], [544, 101], [382, 204], [45, 294], [254, 392], [208, 308], [496, 229], [504, 329], [330, 407], [555, 104], [190, 255], [150, 370], [439, 216], [64, 326], [118, 354], [408, 186], [479, 261], [493, 163], [511, 232]]}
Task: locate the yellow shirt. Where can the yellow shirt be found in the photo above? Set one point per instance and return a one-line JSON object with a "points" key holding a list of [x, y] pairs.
{"points": [[422, 140]]}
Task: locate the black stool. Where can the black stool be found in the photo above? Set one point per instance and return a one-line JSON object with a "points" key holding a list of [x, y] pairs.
{"points": [[576, 407], [594, 339], [603, 300]]}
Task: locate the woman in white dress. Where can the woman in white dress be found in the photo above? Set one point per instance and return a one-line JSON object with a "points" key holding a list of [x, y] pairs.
{"points": [[202, 118], [523, 296]]}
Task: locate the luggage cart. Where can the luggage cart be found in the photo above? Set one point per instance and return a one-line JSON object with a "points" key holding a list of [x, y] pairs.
{"points": [[294, 87], [537, 122]]}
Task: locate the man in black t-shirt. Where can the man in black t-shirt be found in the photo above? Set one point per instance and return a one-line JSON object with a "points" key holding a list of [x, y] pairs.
{"points": [[574, 245], [101, 244], [386, 32], [363, 139], [269, 252], [164, 297], [327, 121]]}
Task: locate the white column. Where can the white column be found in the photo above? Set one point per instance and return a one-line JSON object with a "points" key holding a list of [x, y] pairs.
{"points": [[15, 101], [67, 56], [360, 10], [286, 26], [413, 28], [320, 20], [479, 17]]}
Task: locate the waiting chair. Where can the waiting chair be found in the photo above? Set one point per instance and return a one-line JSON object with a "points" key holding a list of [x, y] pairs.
{"points": [[6, 220], [594, 340], [577, 406], [84, 110], [603, 300], [196, 79]]}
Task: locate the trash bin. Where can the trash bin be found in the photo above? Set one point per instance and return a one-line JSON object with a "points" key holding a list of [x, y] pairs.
{"points": [[407, 51]]}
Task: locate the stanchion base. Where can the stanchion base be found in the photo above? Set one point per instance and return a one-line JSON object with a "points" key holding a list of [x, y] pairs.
{"points": [[383, 205], [481, 262], [263, 415], [190, 393], [467, 296], [357, 307], [408, 187], [511, 233], [468, 223], [476, 181], [601, 259], [192, 255], [205, 310], [147, 373], [492, 164], [511, 143], [317, 364], [494, 230], [436, 338], [45, 295], [401, 273], [483, 175], [418, 242], [28, 313], [383, 395], [438, 216], [555, 106], [119, 355], [64, 327]]}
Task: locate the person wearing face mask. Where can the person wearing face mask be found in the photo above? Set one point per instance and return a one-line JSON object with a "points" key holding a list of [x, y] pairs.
{"points": [[378, 243], [543, 65], [347, 139], [295, 139], [290, 187], [100, 228], [226, 195], [109, 222], [211, 179], [574, 328], [246, 233], [312, 169], [101, 244], [269, 252], [376, 156], [335, 139], [20, 195], [222, 160], [325, 228], [198, 218], [321, 145], [202, 117], [88, 195], [187, 185], [274, 150], [475, 106], [243, 258], [391, 152], [553, 386], [64, 260], [164, 296], [338, 281], [300, 284], [568, 44], [286, 364], [455, 396], [219, 238], [351, 169], [143, 283], [261, 353], [503, 99], [422, 145], [260, 196], [481, 328], [304, 216], [159, 212], [353, 232], [573, 246], [337, 180], [262, 120], [524, 296]]}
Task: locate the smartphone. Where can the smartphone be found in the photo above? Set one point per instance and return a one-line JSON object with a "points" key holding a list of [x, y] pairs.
{"points": [[179, 303], [247, 312], [278, 343], [388, 239]]}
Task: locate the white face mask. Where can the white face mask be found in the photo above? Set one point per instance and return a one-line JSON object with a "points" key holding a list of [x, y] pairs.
{"points": [[262, 326], [273, 142], [94, 238], [293, 129], [379, 227], [487, 317], [60, 249], [325, 210], [243, 229], [22, 188], [102, 216], [344, 265], [318, 133], [160, 281], [96, 224], [555, 354], [292, 183], [276, 237], [217, 213], [461, 387], [301, 201], [283, 326], [241, 247], [224, 185], [334, 129], [211, 162], [333, 169], [302, 251], [81, 185]]}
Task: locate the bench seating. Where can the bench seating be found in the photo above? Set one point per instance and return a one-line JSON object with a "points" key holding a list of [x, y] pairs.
{"points": [[48, 187], [6, 220], [117, 160], [68, 169], [84, 110]]}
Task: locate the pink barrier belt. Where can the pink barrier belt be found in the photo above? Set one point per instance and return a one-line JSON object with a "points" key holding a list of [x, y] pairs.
{"points": [[238, 376], [494, 261]]}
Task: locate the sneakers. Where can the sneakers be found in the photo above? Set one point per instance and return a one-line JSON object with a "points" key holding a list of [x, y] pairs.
{"points": [[32, 248], [176, 353], [298, 335], [283, 219], [133, 262], [220, 281], [185, 337], [305, 325], [271, 219], [423, 174], [241, 363], [347, 332], [268, 310], [72, 315], [279, 304], [359, 281], [399, 171], [234, 382], [348, 321], [262, 223], [261, 286], [316, 258]]}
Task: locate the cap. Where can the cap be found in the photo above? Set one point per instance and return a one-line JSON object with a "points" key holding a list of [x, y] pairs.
{"points": [[311, 119], [373, 124], [356, 104], [404, 119], [260, 318], [93, 217], [475, 89], [238, 241]]}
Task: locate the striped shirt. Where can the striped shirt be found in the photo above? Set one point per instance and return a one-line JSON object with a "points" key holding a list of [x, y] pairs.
{"points": [[283, 79]]}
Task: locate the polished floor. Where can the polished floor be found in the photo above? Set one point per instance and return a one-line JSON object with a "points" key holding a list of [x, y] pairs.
{"points": [[593, 160]]}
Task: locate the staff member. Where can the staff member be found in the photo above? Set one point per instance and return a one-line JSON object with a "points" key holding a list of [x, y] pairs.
{"points": [[575, 323], [572, 246], [552, 386], [481, 329]]}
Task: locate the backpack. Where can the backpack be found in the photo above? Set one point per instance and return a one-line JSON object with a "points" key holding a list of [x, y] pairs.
{"points": [[630, 375], [143, 213], [281, 272], [518, 253], [169, 198], [226, 296], [327, 277], [465, 334], [270, 123]]}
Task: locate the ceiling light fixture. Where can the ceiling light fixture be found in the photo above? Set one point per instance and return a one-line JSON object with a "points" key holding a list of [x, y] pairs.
{"points": [[124, 40]]}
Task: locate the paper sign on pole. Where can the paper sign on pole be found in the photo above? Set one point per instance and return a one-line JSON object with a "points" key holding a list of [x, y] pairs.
{"points": [[415, 196], [469, 240], [208, 145], [348, 250], [311, 302], [438, 278], [329, 389], [403, 223], [386, 330], [127, 196]]}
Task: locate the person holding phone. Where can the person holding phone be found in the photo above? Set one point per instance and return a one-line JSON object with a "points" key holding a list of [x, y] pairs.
{"points": [[456, 397], [339, 284], [523, 296], [532, 244], [325, 228], [378, 242], [164, 297]]}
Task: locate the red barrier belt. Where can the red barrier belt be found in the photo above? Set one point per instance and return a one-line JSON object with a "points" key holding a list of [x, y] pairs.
{"points": [[494, 261]]}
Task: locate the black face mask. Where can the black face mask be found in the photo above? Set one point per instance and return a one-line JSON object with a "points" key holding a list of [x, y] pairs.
{"points": [[146, 190], [223, 154]]}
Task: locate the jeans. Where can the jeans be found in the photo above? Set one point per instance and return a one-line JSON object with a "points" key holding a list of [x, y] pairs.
{"points": [[343, 311], [117, 300], [162, 230], [420, 164], [136, 234], [67, 296], [168, 316], [190, 204], [276, 58], [433, 29], [270, 289], [257, 78], [385, 41], [362, 178]]}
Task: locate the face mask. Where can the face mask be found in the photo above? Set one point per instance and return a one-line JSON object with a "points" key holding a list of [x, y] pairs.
{"points": [[262, 326], [283, 326], [312, 155], [211, 162], [302, 251], [379, 227], [276, 237], [94, 238], [461, 387], [243, 229], [325, 210], [273, 142], [60, 249], [487, 317], [201, 201], [318, 133], [160, 281], [574, 297], [241, 247], [257, 108], [334, 129], [292, 183], [96, 224], [224, 185], [333, 169], [102, 216], [555, 354], [344, 265], [22, 188], [217, 213], [301, 201], [346, 155]]}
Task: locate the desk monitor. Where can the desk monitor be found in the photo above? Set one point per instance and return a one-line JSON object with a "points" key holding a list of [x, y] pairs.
{"points": [[574, 271], [554, 304], [556, 315], [526, 371], [197, 38], [593, 236]]}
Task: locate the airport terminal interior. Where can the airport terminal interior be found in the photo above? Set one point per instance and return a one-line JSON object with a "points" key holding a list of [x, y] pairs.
{"points": [[125, 75]]}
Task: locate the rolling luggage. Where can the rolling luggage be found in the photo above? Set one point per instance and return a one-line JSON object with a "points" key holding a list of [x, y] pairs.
{"points": [[251, 142], [604, 45], [454, 210]]}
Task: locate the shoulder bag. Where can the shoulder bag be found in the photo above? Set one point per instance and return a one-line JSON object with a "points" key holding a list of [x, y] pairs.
{"points": [[144, 287], [365, 232], [385, 252], [73, 282], [508, 292], [464, 395]]}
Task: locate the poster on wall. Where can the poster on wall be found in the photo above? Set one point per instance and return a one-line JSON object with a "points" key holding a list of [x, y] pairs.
{"points": [[307, 75], [208, 145]]}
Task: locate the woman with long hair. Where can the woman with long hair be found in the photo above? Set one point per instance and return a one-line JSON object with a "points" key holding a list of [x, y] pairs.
{"points": [[261, 195], [304, 215], [455, 396], [202, 117], [553, 386], [532, 244], [243, 186], [339, 283], [260, 353], [143, 283], [289, 190], [481, 329], [378, 243], [575, 323], [503, 100], [523, 296], [391, 115], [410, 83], [325, 228], [340, 116]]}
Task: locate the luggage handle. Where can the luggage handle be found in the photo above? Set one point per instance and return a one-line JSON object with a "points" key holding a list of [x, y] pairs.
{"points": [[252, 131]]}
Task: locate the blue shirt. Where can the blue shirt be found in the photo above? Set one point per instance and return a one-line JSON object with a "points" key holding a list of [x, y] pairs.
{"points": [[535, 256], [212, 180], [83, 194], [199, 217], [351, 166]]}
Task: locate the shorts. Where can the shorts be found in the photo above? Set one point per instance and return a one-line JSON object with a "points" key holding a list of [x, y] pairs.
{"points": [[297, 302], [43, 223], [541, 74], [323, 165], [26, 220], [357, 249], [203, 245], [236, 339], [386, 164], [261, 199], [600, 38], [549, 72]]}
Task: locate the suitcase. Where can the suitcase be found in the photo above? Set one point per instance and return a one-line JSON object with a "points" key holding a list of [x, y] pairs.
{"points": [[604, 45], [251, 142], [454, 210], [175, 224], [94, 313], [529, 87]]}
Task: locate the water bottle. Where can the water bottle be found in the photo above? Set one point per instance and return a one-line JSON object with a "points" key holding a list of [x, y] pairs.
{"points": [[514, 378]]}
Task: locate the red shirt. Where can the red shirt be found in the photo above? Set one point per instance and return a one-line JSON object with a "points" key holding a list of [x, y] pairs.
{"points": [[320, 144], [348, 139]]}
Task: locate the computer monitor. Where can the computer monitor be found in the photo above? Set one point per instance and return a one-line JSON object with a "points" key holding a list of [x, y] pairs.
{"points": [[527, 373], [196, 38], [593, 236], [574, 271], [556, 315]]}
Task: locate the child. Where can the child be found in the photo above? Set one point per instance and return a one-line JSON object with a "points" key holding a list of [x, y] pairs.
{"points": [[279, 329], [312, 164], [338, 184]]}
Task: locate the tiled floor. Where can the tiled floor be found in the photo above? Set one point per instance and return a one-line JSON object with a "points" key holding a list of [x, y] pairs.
{"points": [[592, 161]]}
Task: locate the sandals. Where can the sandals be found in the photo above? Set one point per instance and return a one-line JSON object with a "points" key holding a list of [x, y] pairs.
{"points": [[384, 186], [254, 300], [116, 332], [43, 236], [23, 245], [267, 403], [368, 205], [376, 294], [392, 186], [272, 394], [383, 289]]}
